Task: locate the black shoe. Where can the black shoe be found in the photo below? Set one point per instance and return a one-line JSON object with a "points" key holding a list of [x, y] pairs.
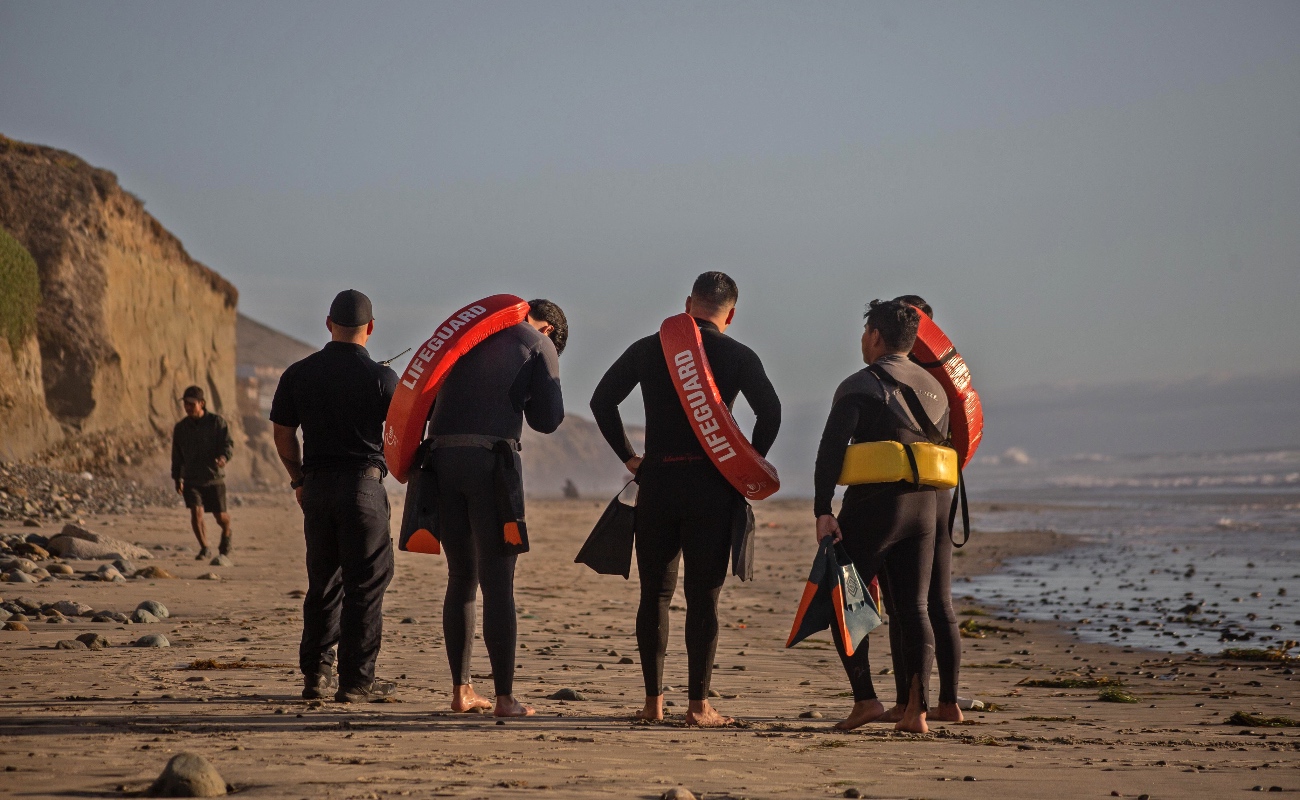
{"points": [[203, 553], [225, 546], [319, 686], [370, 693]]}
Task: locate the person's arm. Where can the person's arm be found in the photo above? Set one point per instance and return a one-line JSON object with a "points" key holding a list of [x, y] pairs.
{"points": [[286, 445], [761, 396], [178, 460], [840, 425], [544, 405], [227, 445], [387, 385], [614, 387]]}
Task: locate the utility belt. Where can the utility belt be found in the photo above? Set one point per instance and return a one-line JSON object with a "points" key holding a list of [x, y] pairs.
{"points": [[368, 472], [469, 440]]}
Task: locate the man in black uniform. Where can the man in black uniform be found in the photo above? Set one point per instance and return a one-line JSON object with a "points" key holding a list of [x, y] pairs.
{"points": [[685, 506], [478, 418], [201, 446], [339, 397], [885, 527]]}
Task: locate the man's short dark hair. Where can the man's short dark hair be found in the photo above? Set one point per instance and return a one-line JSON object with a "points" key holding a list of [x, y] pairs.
{"points": [[896, 321], [918, 301], [546, 311], [194, 393], [716, 290]]}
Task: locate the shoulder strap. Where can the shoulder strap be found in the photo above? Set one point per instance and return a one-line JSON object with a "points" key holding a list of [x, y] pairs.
{"points": [[913, 403]]}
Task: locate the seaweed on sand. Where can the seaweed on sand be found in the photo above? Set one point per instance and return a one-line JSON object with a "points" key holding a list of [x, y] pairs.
{"points": [[974, 629], [1256, 721], [1071, 683], [1115, 694]]}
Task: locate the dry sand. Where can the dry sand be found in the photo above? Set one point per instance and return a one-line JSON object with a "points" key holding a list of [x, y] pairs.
{"points": [[101, 723]]}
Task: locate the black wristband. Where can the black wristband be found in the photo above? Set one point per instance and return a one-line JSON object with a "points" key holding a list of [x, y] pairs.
{"points": [[295, 484]]}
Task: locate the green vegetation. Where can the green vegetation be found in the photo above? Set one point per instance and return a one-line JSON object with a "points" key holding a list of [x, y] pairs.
{"points": [[974, 629], [1071, 683], [212, 663], [1115, 694], [1256, 721], [1033, 718], [20, 291], [1278, 654]]}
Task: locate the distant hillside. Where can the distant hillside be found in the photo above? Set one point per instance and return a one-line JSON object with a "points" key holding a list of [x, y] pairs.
{"points": [[260, 345], [575, 452]]}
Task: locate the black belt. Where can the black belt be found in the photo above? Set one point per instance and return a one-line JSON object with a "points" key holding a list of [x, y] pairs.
{"points": [[369, 472], [470, 440]]}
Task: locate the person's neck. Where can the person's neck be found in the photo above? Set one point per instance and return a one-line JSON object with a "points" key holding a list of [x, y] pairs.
{"points": [[359, 341]]}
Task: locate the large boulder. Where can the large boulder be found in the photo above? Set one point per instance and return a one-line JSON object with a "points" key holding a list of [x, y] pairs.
{"points": [[76, 542]]}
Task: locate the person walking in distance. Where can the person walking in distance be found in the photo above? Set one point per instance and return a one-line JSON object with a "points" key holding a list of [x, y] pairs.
{"points": [[201, 447], [685, 506], [509, 377], [339, 397]]}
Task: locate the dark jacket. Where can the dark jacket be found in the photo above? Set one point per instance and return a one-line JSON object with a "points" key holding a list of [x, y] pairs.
{"points": [[196, 445], [866, 410]]}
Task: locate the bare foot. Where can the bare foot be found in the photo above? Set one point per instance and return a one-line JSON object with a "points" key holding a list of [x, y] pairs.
{"points": [[946, 712], [913, 723], [466, 699], [706, 716], [864, 711], [508, 706], [654, 709], [892, 715]]}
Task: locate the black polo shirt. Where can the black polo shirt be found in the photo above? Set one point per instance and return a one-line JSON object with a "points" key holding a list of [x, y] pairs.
{"points": [[339, 397]]}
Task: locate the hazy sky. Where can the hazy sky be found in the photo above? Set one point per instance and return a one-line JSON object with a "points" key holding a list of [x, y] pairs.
{"points": [[1090, 192]]}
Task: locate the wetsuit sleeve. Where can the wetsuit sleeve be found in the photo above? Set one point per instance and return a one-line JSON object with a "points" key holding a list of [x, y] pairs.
{"points": [[544, 405], [840, 425], [761, 396], [618, 382], [283, 410], [178, 460]]}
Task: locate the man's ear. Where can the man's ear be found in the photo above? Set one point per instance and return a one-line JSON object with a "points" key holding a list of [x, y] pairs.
{"points": [[688, 304], [329, 325], [731, 315], [370, 327]]}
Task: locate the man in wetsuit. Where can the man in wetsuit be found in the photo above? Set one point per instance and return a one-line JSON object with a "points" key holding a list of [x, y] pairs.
{"points": [[201, 446], [339, 397], [885, 528], [943, 618], [685, 506], [510, 376]]}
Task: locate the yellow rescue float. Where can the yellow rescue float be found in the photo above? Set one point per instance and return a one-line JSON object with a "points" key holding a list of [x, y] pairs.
{"points": [[920, 463]]}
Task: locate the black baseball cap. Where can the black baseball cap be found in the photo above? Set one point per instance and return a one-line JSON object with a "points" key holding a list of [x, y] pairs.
{"points": [[194, 393], [351, 309]]}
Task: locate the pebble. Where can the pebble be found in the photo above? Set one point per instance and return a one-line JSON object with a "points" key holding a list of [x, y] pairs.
{"points": [[22, 564], [61, 569], [69, 644], [58, 619], [18, 576], [221, 561], [93, 641], [852, 792], [110, 616], [811, 715], [626, 660], [408, 620], [188, 775], [154, 607], [15, 626], [567, 694], [209, 576], [677, 793], [123, 566], [143, 617], [714, 693], [71, 608], [156, 573], [108, 572], [153, 640]]}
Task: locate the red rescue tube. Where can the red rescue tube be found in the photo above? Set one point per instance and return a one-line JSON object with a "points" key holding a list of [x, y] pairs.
{"points": [[935, 353], [710, 418], [418, 385]]}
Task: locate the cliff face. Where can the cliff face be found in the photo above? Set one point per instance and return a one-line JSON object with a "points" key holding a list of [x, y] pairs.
{"points": [[127, 319]]}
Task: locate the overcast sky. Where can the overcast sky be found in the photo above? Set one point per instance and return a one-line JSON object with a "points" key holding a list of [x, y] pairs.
{"points": [[1091, 192]]}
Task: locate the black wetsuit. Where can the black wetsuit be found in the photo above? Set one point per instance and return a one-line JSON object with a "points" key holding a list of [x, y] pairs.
{"points": [[943, 618], [685, 506], [340, 396], [510, 376], [887, 528]]}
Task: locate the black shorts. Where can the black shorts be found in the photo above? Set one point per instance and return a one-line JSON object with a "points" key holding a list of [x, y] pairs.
{"points": [[211, 496]]}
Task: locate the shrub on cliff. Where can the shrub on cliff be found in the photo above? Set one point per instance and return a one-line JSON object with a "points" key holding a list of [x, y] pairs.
{"points": [[20, 291]]}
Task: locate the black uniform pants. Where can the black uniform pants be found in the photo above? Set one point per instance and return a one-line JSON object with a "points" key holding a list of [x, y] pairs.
{"points": [[469, 528], [889, 531], [682, 510], [349, 565], [943, 619]]}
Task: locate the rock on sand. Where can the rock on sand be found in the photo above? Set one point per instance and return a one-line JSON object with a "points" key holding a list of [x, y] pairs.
{"points": [[154, 607], [153, 640], [188, 775], [93, 641], [75, 541]]}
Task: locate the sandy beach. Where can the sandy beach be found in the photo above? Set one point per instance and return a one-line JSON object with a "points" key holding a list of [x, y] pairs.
{"points": [[103, 723]]}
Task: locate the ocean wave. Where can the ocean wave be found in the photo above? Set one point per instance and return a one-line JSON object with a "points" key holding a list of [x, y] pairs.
{"points": [[1174, 481]]}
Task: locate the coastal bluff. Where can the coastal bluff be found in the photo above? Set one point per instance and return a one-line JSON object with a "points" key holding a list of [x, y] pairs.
{"points": [[125, 320]]}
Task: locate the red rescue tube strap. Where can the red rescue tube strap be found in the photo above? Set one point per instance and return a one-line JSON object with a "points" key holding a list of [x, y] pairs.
{"points": [[418, 384], [935, 353], [710, 419]]}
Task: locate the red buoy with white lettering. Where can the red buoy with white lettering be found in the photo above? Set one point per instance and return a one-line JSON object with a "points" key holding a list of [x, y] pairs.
{"points": [[418, 385], [935, 353], [710, 419]]}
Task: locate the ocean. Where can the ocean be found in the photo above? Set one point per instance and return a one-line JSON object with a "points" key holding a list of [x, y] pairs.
{"points": [[1189, 552]]}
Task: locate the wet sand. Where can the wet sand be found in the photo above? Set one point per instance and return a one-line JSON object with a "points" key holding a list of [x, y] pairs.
{"points": [[101, 723]]}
